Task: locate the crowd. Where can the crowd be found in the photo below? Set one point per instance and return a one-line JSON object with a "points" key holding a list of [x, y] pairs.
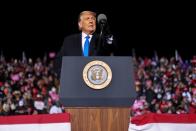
{"points": [[28, 87], [165, 85]]}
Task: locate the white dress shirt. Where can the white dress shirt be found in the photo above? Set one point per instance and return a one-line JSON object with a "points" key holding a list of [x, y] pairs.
{"points": [[83, 39]]}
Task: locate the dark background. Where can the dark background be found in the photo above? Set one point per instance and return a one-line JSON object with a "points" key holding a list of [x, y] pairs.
{"points": [[38, 27]]}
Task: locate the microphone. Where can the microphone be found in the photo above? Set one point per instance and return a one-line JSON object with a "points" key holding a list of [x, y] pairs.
{"points": [[102, 19], [104, 30]]}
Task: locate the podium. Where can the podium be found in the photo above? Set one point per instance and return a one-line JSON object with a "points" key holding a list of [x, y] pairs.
{"points": [[105, 109]]}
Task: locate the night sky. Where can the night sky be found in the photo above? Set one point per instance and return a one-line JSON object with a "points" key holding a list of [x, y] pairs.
{"points": [[38, 27]]}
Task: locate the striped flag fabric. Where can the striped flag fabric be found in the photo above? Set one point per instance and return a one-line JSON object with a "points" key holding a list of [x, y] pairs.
{"points": [[43, 122], [163, 122]]}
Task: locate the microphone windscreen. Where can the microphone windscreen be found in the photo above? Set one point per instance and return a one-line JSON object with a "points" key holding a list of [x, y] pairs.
{"points": [[101, 17]]}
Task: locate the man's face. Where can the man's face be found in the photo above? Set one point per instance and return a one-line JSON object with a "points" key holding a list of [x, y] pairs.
{"points": [[87, 23]]}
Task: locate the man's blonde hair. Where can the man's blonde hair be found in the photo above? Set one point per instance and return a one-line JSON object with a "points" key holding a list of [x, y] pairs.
{"points": [[86, 12]]}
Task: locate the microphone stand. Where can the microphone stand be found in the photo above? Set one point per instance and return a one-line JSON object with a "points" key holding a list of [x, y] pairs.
{"points": [[100, 39]]}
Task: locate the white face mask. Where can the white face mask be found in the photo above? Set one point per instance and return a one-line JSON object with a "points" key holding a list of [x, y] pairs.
{"points": [[156, 90], [168, 95], [159, 96]]}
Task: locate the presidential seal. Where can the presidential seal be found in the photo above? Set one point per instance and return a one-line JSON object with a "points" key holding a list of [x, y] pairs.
{"points": [[97, 74]]}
